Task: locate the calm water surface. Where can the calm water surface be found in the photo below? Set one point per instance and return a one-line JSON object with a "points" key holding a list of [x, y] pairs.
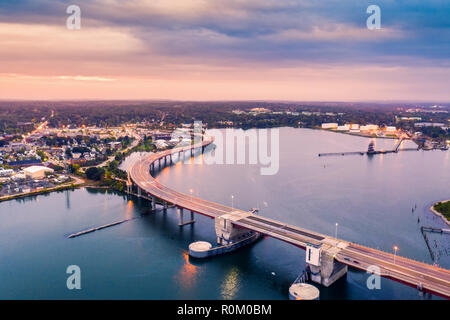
{"points": [[146, 258]]}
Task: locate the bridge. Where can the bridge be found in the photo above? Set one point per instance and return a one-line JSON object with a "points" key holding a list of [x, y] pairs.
{"points": [[328, 258]]}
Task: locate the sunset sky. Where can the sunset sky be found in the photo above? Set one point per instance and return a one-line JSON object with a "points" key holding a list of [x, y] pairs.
{"points": [[225, 50]]}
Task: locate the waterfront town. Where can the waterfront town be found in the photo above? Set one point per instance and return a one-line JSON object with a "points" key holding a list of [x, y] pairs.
{"points": [[48, 155], [50, 158]]}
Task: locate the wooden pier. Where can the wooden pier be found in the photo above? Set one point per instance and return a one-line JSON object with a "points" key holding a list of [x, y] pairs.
{"points": [[342, 153], [435, 230]]}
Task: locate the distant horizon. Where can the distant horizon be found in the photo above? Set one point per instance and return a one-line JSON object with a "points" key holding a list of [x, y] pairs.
{"points": [[444, 103]]}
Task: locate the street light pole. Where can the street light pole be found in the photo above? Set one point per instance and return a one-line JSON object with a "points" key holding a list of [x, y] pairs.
{"points": [[395, 252], [335, 233], [232, 202]]}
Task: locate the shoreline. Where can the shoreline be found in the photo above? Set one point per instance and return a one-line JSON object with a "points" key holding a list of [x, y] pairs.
{"points": [[361, 134], [438, 213], [59, 188], [73, 185], [38, 192]]}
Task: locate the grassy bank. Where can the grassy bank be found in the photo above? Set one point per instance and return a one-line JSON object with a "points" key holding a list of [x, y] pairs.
{"points": [[443, 208]]}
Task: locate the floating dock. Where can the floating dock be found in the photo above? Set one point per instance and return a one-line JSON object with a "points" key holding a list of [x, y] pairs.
{"points": [[77, 234], [341, 153]]}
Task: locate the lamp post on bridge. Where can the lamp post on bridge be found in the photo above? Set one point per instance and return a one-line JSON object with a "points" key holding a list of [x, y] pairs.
{"points": [[232, 202], [335, 233], [395, 252]]}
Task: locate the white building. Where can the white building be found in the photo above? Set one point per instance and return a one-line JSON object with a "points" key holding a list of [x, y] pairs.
{"points": [[429, 124], [37, 172], [329, 125], [161, 144], [18, 176], [6, 172], [343, 128], [391, 129], [369, 127]]}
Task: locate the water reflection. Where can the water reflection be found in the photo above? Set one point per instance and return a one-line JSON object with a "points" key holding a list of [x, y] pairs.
{"points": [[129, 211], [67, 199], [231, 284], [188, 273]]}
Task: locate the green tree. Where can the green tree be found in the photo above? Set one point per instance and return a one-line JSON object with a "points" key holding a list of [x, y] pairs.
{"points": [[95, 173], [73, 168]]}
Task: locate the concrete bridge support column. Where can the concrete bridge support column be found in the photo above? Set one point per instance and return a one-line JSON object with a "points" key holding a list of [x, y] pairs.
{"points": [[153, 203], [180, 214], [165, 205], [139, 191], [181, 221], [324, 268]]}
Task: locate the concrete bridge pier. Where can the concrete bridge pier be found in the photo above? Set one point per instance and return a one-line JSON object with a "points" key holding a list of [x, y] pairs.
{"points": [[181, 221], [165, 205], [324, 269], [153, 203], [139, 191]]}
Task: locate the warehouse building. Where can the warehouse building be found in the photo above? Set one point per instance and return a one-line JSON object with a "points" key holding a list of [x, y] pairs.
{"points": [[37, 172]]}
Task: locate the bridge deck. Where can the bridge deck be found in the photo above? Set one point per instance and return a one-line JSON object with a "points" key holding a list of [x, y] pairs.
{"points": [[413, 273]]}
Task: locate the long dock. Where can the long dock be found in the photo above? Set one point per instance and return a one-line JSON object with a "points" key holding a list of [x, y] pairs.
{"points": [[342, 153], [77, 234], [435, 230]]}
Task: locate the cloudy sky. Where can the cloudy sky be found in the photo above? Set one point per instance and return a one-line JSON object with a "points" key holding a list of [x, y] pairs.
{"points": [[225, 50]]}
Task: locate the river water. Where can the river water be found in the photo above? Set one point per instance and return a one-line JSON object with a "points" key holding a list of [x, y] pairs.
{"points": [[371, 198]]}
